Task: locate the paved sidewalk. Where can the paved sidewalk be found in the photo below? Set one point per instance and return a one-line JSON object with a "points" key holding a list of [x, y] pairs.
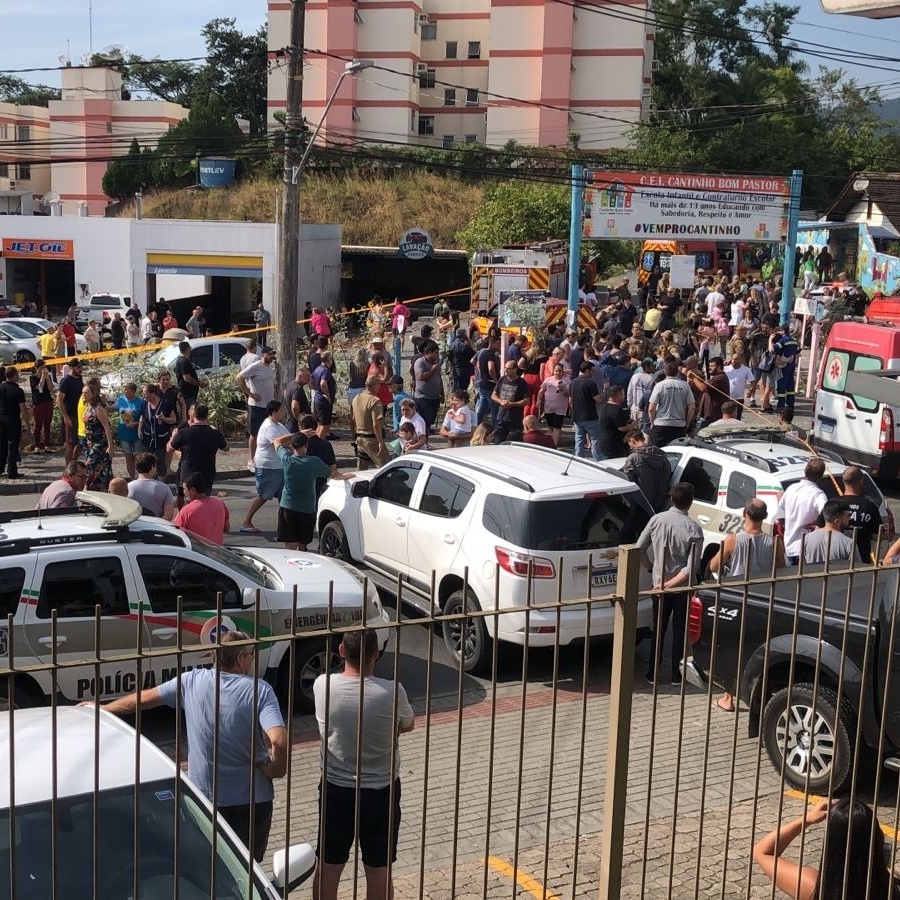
{"points": [[527, 804]]}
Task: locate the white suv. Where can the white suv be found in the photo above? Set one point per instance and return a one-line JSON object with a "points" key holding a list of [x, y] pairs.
{"points": [[96, 804], [101, 308], [70, 574], [487, 517]]}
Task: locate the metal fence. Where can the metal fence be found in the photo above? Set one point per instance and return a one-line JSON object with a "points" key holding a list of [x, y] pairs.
{"points": [[557, 773]]}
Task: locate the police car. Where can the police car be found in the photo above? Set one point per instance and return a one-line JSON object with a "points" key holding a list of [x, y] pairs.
{"points": [[115, 815], [729, 465], [83, 589]]}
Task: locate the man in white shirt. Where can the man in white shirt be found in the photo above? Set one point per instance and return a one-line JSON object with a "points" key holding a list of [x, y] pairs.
{"points": [[251, 356], [799, 508], [268, 469], [257, 383], [739, 378]]}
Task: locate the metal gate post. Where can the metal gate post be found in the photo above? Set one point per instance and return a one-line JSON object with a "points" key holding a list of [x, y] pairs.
{"points": [[620, 693]]}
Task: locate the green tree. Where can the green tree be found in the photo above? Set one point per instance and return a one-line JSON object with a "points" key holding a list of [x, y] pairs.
{"points": [[516, 213], [236, 71], [126, 176], [14, 90], [209, 130]]}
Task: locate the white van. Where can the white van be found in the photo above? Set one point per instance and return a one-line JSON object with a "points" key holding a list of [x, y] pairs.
{"points": [[864, 428]]}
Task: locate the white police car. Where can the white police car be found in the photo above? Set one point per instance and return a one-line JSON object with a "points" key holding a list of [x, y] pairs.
{"points": [[93, 585], [116, 814]]}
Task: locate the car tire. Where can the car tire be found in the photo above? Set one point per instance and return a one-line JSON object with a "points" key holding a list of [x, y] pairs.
{"points": [[311, 659], [333, 542], [467, 640], [813, 753], [24, 357]]}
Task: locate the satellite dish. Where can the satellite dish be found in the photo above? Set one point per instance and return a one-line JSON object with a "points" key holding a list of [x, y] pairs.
{"points": [[114, 50], [64, 60], [860, 184]]}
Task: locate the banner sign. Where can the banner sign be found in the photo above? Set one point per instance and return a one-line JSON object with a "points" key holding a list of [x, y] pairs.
{"points": [[19, 248], [647, 205]]}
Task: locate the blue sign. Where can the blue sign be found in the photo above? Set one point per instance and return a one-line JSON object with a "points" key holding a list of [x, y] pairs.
{"points": [[216, 171]]}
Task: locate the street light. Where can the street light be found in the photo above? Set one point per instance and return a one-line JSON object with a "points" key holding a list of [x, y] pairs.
{"points": [[351, 68], [289, 237]]}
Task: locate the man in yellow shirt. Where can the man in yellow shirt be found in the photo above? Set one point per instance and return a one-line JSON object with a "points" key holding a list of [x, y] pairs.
{"points": [[47, 343]]}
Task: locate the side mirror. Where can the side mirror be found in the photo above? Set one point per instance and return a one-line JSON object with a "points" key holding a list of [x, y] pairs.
{"points": [[359, 489], [295, 869], [249, 597]]}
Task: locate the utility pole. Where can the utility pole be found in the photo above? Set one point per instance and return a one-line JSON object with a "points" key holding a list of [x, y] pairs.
{"points": [[289, 276]]}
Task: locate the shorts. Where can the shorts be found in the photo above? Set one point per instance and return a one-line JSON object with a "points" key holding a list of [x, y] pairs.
{"points": [[131, 447], [70, 433], [379, 824], [765, 379], [295, 527], [256, 415], [322, 410], [554, 420], [269, 483]]}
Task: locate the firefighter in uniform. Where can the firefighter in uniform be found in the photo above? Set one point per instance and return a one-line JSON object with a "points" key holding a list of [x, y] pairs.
{"points": [[787, 350], [368, 415]]}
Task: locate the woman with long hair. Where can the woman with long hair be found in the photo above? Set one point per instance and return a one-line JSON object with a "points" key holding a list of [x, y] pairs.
{"points": [[98, 436], [43, 391], [357, 373], [853, 861]]}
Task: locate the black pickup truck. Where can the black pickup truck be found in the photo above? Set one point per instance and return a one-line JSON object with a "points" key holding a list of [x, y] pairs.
{"points": [[845, 684]]}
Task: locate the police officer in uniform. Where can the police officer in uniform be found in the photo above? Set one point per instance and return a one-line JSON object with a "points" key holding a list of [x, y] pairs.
{"points": [[368, 414]]}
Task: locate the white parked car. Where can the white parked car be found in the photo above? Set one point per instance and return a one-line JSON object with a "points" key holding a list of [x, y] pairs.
{"points": [[37, 327], [55, 830], [730, 465], [100, 308], [209, 355], [70, 562], [16, 344], [488, 517]]}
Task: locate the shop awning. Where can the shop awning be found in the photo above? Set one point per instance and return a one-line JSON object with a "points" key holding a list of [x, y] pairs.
{"points": [[883, 231], [204, 264]]}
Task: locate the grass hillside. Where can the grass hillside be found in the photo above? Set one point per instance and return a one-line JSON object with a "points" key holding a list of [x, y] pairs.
{"points": [[372, 210]]}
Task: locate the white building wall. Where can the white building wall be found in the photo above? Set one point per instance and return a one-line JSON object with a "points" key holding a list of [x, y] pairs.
{"points": [[111, 254]]}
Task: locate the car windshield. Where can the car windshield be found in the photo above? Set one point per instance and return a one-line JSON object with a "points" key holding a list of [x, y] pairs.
{"points": [[106, 302], [15, 332], [234, 558], [33, 328], [159, 818], [163, 358], [593, 522]]}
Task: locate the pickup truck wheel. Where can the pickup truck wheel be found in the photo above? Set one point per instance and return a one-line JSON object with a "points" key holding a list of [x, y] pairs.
{"points": [[467, 638], [333, 542], [813, 740]]}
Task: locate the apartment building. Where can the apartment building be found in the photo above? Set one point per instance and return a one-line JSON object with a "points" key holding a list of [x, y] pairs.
{"points": [[454, 71], [66, 148]]}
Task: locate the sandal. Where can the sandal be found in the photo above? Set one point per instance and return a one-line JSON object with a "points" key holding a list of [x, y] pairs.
{"points": [[718, 705]]}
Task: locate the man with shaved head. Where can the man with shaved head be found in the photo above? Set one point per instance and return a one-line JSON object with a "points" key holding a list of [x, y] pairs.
{"points": [[865, 514]]}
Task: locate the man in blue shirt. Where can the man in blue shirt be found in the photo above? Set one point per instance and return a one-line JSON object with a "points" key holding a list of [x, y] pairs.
{"points": [[230, 718]]}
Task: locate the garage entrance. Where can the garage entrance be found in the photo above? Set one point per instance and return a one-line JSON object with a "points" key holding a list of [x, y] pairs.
{"points": [[40, 272], [230, 284]]}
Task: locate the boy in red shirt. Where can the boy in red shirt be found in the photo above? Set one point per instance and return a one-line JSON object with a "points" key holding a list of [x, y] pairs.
{"points": [[202, 515]]}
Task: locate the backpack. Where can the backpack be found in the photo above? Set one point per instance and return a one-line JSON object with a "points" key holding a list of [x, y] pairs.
{"points": [[644, 401]]}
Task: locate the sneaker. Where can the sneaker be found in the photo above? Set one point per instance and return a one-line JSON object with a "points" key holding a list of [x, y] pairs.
{"points": [[648, 677], [675, 681], [753, 405]]}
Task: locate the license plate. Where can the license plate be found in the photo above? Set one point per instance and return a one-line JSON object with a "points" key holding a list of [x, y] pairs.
{"points": [[825, 428], [603, 579]]}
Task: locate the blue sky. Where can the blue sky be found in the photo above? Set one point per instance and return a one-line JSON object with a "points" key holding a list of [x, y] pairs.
{"points": [[36, 32]]}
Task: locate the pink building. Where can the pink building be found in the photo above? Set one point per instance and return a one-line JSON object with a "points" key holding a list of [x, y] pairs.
{"points": [[455, 71], [66, 148]]}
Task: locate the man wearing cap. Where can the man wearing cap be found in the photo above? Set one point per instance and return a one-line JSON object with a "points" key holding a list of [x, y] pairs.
{"points": [[257, 383], [368, 413], [828, 543]]}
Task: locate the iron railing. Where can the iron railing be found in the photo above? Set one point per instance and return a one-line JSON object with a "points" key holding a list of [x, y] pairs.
{"points": [[556, 773]]}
